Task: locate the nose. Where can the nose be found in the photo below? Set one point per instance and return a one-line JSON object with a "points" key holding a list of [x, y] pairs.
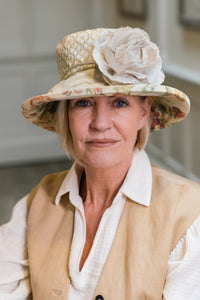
{"points": [[101, 117]]}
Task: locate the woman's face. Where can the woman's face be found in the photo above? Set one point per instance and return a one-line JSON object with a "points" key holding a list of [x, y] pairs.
{"points": [[104, 129]]}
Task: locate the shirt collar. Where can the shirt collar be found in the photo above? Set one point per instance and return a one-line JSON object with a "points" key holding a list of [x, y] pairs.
{"points": [[136, 186], [70, 183]]}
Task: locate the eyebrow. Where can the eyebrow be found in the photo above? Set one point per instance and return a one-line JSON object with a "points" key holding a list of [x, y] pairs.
{"points": [[86, 97]]}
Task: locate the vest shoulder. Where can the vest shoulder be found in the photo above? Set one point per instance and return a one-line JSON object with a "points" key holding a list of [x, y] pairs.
{"points": [[49, 185], [178, 198], [174, 186], [53, 178], [169, 179]]}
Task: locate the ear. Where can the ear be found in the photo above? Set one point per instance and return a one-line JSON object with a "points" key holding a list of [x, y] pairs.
{"points": [[145, 111]]}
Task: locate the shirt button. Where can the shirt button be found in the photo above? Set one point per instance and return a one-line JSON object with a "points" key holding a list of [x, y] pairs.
{"points": [[99, 297]]}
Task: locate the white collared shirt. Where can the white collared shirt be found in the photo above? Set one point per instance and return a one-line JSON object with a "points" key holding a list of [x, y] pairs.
{"points": [[184, 262]]}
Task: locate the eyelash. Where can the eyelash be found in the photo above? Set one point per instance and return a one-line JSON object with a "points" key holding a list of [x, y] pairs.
{"points": [[82, 102], [120, 100], [87, 102]]}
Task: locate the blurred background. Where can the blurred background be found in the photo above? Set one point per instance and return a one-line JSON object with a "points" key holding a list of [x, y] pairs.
{"points": [[29, 33]]}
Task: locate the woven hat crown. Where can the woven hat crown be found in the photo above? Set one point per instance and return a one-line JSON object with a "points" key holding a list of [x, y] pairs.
{"points": [[74, 52]]}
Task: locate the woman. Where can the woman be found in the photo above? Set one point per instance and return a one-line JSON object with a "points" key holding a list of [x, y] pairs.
{"points": [[114, 226]]}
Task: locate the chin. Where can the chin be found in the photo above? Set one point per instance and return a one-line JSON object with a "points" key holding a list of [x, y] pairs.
{"points": [[103, 161]]}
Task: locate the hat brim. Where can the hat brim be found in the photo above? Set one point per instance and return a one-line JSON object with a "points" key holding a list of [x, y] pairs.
{"points": [[169, 105]]}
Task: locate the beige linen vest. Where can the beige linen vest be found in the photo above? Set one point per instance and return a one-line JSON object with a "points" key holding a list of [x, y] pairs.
{"points": [[137, 262]]}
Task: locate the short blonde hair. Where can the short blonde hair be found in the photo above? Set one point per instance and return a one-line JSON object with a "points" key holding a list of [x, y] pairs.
{"points": [[63, 130]]}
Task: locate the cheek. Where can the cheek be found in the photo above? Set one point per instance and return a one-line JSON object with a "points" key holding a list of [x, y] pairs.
{"points": [[74, 127], [129, 129], [78, 128], [142, 122], [144, 116]]}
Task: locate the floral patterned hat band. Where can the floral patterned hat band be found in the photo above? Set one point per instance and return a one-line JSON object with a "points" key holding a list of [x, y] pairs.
{"points": [[107, 62]]}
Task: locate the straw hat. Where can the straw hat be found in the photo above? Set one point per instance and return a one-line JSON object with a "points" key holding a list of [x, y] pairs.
{"points": [[106, 62]]}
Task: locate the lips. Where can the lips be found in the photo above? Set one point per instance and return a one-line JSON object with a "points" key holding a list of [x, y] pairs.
{"points": [[102, 142]]}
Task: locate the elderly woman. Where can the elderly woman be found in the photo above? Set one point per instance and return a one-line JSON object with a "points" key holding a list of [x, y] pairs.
{"points": [[114, 226]]}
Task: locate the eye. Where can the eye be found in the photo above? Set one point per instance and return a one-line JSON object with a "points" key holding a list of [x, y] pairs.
{"points": [[83, 103], [120, 102]]}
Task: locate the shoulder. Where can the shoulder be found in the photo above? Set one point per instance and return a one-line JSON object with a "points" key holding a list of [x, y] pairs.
{"points": [[175, 198], [54, 179], [164, 180], [175, 193], [48, 187]]}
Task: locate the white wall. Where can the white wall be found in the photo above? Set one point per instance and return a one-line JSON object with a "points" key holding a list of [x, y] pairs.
{"points": [[29, 32]]}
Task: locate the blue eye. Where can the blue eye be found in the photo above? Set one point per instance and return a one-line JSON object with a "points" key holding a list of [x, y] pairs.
{"points": [[120, 103], [82, 103]]}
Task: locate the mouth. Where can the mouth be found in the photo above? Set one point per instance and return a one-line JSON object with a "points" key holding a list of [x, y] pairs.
{"points": [[101, 143]]}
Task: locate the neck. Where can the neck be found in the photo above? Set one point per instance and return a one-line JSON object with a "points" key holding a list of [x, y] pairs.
{"points": [[99, 186]]}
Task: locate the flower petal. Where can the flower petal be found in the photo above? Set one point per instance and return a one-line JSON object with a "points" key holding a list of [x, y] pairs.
{"points": [[127, 56]]}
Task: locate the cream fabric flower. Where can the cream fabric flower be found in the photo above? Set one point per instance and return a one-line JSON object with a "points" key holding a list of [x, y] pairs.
{"points": [[127, 56]]}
